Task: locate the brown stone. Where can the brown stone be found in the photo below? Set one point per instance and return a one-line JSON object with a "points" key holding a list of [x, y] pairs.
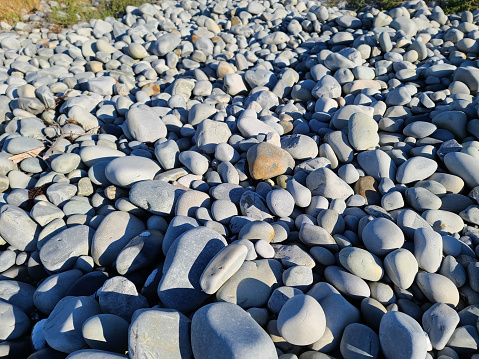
{"points": [[368, 188], [194, 38], [287, 126], [224, 68], [151, 89], [235, 20], [267, 161]]}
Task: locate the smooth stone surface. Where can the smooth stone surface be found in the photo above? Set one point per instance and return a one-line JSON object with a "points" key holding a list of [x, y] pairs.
{"points": [[439, 322], [159, 333], [401, 336], [185, 262], [301, 320], [114, 232], [230, 333], [71, 312], [106, 332], [381, 236]]}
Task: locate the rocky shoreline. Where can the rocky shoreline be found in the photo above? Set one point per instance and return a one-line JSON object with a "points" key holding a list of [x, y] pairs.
{"points": [[240, 179]]}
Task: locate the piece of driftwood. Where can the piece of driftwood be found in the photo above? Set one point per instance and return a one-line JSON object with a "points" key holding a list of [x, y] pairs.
{"points": [[32, 153]]}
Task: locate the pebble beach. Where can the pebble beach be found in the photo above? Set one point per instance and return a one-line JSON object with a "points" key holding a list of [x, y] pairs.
{"points": [[271, 179]]}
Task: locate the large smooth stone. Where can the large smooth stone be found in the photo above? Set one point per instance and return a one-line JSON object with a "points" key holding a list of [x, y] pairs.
{"points": [[18, 229], [401, 337], [381, 236], [113, 234], [348, 284], [266, 161], [252, 284], [223, 265], [63, 329], [415, 169], [324, 182], [377, 164], [157, 197], [53, 289], [361, 263], [359, 342], [106, 332], [224, 330], [438, 288], [301, 320], [401, 267], [15, 322], [95, 354], [61, 251], [464, 166], [126, 171], [119, 296], [144, 125], [185, 261], [141, 251], [339, 314], [439, 322], [18, 293], [159, 333]]}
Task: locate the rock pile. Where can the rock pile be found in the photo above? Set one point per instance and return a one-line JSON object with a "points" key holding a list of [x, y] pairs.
{"points": [[241, 179]]}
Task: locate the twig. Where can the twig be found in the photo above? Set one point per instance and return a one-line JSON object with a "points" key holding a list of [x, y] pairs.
{"points": [[32, 153]]}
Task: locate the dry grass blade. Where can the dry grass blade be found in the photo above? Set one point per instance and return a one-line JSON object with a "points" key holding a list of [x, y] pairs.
{"points": [[27, 154]]}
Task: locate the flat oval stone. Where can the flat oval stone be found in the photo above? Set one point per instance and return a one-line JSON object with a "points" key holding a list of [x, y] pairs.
{"points": [[439, 322], [53, 289], [15, 322], [361, 263], [61, 251], [362, 132], [223, 265], [112, 235], [71, 312], [95, 354], [415, 169], [347, 283], [401, 267], [17, 228], [280, 202], [266, 161], [428, 249], [359, 341], [157, 197], [126, 171], [140, 252], [186, 260], [262, 275], [230, 333], [301, 320], [464, 166], [381, 236], [401, 336], [91, 155], [65, 163], [444, 221], [106, 332], [324, 182], [377, 164], [159, 333], [438, 288]]}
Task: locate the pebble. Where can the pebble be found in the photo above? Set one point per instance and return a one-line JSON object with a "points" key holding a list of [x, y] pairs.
{"points": [[170, 330], [301, 320], [381, 236], [401, 336], [240, 156], [228, 329]]}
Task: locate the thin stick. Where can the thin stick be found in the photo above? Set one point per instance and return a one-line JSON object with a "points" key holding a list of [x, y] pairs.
{"points": [[27, 154]]}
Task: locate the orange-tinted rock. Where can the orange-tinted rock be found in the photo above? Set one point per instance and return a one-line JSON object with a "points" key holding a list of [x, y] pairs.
{"points": [[368, 188], [151, 89], [267, 161]]}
